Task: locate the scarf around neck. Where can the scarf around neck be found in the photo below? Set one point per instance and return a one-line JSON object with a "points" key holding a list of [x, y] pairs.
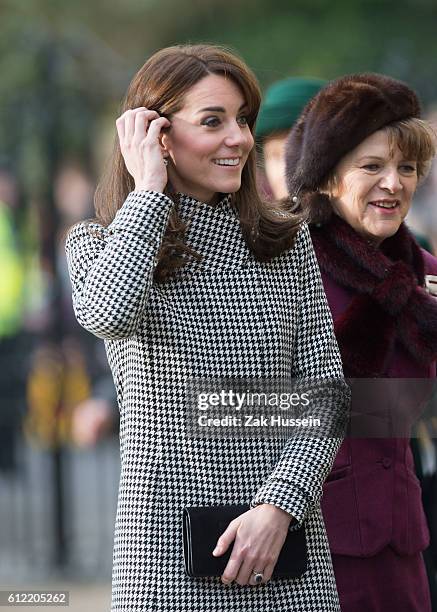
{"points": [[390, 303]]}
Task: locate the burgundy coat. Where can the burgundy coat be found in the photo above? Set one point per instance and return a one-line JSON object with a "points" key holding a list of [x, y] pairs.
{"points": [[372, 498]]}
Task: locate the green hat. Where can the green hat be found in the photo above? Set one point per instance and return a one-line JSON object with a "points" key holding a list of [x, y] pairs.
{"points": [[283, 103]]}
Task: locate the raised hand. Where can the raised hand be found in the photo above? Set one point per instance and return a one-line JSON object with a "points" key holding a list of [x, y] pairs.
{"points": [[138, 131]]}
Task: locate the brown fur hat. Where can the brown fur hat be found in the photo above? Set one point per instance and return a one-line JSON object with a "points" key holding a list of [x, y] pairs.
{"points": [[335, 121]]}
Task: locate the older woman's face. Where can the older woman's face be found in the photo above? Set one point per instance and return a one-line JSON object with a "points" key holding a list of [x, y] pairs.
{"points": [[209, 139], [374, 188]]}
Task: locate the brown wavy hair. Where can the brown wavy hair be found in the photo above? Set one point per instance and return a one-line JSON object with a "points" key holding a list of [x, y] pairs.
{"points": [[161, 85]]}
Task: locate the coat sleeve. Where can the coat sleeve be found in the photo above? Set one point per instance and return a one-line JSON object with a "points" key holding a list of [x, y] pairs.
{"points": [[111, 269], [295, 484]]}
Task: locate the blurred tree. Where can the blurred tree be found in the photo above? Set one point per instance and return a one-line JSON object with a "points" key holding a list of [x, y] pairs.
{"points": [[95, 48]]}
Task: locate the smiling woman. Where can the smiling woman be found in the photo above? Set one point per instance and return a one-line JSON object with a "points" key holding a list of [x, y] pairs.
{"points": [[354, 160], [188, 275], [181, 84], [373, 185], [209, 140]]}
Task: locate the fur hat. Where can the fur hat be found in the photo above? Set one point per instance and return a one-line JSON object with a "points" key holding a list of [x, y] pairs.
{"points": [[335, 121]]}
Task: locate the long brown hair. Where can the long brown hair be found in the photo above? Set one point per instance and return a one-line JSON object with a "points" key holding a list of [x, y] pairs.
{"points": [[161, 85]]}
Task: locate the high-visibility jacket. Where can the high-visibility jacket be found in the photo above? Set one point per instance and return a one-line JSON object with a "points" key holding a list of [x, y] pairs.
{"points": [[11, 277]]}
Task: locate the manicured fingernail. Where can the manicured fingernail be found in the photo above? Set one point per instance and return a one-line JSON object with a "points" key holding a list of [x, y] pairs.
{"points": [[216, 550]]}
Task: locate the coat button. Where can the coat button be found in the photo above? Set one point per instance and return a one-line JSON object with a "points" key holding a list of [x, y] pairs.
{"points": [[386, 462]]}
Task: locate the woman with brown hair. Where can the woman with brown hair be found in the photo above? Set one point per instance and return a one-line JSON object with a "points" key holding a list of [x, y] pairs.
{"points": [[354, 159], [187, 274]]}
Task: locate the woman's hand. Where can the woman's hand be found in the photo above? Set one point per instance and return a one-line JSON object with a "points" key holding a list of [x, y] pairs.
{"points": [[259, 535], [138, 131]]}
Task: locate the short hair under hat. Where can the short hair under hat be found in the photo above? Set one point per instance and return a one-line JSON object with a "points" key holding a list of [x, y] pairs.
{"points": [[336, 120]]}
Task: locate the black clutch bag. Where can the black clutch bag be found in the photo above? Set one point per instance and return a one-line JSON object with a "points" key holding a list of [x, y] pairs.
{"points": [[203, 526]]}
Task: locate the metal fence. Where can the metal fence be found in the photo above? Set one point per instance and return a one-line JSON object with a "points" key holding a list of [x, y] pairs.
{"points": [[29, 506]]}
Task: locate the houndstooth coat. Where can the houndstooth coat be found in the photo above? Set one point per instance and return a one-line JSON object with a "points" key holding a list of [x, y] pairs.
{"points": [[228, 315]]}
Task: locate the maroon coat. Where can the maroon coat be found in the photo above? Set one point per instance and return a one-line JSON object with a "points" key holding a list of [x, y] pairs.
{"points": [[372, 498]]}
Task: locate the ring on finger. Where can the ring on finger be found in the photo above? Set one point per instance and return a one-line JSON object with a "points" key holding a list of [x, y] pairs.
{"points": [[258, 577]]}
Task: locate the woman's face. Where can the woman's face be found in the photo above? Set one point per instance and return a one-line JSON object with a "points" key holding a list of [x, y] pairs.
{"points": [[209, 140], [375, 186], [274, 164]]}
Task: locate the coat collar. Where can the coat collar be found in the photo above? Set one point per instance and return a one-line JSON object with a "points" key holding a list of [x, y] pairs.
{"points": [[390, 302]]}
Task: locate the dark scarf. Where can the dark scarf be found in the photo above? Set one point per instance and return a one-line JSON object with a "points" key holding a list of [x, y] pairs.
{"points": [[391, 303]]}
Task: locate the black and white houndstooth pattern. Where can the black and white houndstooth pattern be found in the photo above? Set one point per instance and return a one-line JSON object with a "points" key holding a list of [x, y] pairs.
{"points": [[227, 315]]}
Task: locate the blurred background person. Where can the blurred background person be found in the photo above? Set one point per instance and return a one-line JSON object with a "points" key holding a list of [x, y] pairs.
{"points": [[94, 417], [70, 391], [13, 340], [283, 102]]}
